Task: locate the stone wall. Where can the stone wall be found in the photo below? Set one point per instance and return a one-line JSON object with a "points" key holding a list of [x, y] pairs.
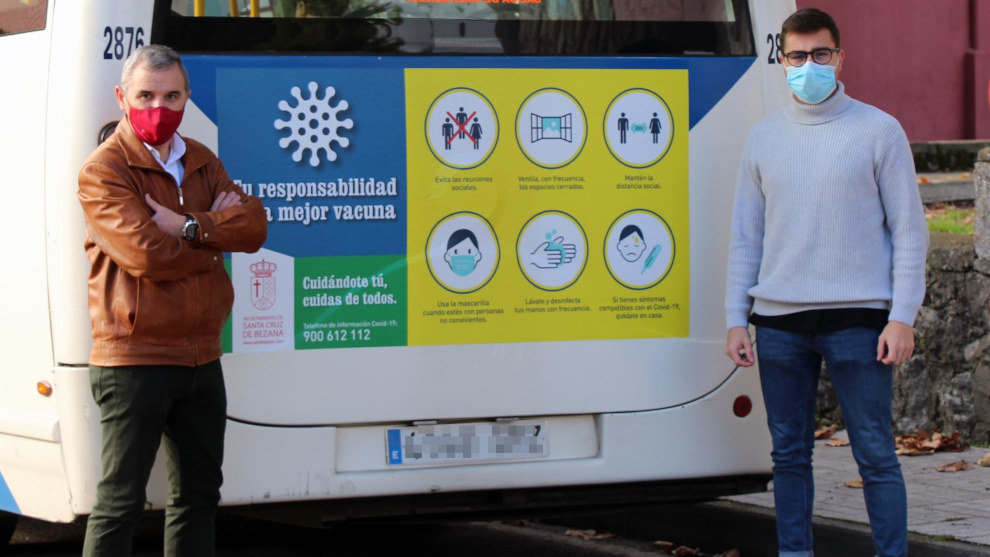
{"points": [[946, 384], [940, 386]]}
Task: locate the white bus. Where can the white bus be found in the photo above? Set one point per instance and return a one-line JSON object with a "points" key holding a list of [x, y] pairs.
{"points": [[496, 255]]}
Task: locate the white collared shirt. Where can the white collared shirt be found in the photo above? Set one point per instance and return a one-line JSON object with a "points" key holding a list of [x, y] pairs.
{"points": [[174, 164]]}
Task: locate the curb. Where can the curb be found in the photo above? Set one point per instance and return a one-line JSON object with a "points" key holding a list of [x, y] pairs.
{"points": [[723, 525]]}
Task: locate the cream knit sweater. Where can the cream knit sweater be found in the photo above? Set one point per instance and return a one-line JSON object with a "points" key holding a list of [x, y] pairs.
{"points": [[827, 214]]}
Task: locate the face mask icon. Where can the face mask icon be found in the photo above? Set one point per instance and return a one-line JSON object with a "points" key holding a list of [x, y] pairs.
{"points": [[462, 253], [462, 265]]}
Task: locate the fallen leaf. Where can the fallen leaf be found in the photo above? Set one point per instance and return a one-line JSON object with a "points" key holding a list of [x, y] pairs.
{"points": [[686, 552], [985, 461], [855, 484], [522, 522], [837, 443], [956, 466], [826, 432], [915, 452], [666, 546], [589, 535], [923, 179], [923, 443]]}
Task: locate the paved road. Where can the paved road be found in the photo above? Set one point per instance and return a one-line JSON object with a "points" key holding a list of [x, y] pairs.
{"points": [[714, 527], [240, 537]]}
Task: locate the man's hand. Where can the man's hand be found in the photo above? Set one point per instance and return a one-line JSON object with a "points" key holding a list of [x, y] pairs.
{"points": [[167, 220], [739, 347], [225, 200], [896, 343]]}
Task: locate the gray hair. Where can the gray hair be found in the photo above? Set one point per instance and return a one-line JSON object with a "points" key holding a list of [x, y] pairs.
{"points": [[156, 57]]}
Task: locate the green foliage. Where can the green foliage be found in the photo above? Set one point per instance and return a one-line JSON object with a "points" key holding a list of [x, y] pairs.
{"points": [[951, 220]]}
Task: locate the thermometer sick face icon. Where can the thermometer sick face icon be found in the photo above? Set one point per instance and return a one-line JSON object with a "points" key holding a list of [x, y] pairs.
{"points": [[631, 244], [639, 249]]}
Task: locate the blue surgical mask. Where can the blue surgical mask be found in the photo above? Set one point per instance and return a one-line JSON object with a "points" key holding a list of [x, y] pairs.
{"points": [[811, 82], [462, 265]]}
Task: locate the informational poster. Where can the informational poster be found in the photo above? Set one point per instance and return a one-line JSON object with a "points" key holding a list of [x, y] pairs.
{"points": [[546, 204], [323, 151], [426, 206]]}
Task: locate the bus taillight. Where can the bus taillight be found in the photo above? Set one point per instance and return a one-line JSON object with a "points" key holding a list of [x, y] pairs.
{"points": [[44, 388], [742, 406]]}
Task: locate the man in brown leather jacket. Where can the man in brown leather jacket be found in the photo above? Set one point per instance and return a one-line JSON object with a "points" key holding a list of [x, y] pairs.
{"points": [[160, 212]]}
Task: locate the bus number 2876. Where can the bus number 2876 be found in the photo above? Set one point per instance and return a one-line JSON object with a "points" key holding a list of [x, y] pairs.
{"points": [[121, 41]]}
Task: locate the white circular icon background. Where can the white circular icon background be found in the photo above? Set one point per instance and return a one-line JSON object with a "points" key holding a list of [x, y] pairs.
{"points": [[462, 252], [461, 128], [551, 128], [552, 250], [639, 249], [638, 128]]}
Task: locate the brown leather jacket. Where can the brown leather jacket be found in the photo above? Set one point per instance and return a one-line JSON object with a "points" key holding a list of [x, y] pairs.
{"points": [[155, 299]]}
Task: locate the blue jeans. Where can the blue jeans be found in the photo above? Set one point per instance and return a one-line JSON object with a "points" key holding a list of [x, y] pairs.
{"points": [[789, 367]]}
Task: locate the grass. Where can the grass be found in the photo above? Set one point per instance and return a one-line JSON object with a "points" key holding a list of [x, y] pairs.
{"points": [[950, 218]]}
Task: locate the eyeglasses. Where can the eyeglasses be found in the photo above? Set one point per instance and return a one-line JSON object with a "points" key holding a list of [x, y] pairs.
{"points": [[819, 55]]}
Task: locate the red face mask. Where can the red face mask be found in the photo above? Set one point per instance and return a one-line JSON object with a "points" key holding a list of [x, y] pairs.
{"points": [[154, 126]]}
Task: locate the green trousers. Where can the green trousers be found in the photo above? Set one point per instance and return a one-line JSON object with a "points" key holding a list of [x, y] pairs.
{"points": [[141, 407]]}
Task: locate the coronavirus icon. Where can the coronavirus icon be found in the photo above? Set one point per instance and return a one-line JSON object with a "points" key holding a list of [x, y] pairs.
{"points": [[313, 124]]}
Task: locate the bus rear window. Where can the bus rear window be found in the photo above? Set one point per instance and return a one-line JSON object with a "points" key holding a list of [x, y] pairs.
{"points": [[533, 27], [595, 10]]}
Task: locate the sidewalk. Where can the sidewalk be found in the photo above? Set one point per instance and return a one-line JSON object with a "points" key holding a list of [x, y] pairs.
{"points": [[946, 187], [946, 505]]}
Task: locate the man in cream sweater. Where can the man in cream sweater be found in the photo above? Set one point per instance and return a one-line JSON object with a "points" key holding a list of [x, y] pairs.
{"points": [[827, 260]]}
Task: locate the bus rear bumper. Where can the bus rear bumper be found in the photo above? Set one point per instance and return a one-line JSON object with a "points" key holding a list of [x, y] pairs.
{"points": [[504, 503], [698, 450]]}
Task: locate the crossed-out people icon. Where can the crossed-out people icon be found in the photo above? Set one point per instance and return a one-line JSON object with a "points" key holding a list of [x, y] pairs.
{"points": [[461, 128], [462, 131]]}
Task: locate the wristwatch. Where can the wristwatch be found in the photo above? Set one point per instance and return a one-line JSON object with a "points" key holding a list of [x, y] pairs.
{"points": [[190, 230]]}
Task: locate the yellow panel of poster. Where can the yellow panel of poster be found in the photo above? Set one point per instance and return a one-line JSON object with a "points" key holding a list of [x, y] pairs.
{"points": [[547, 205]]}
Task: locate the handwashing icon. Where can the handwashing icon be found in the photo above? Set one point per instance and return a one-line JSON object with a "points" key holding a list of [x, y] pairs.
{"points": [[553, 253]]}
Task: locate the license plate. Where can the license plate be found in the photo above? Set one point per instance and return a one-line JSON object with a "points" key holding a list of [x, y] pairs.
{"points": [[475, 442]]}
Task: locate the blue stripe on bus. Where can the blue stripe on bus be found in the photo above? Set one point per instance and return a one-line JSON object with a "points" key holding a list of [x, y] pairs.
{"points": [[709, 79], [7, 502]]}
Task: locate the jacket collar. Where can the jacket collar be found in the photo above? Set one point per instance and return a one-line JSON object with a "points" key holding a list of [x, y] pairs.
{"points": [[137, 154]]}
